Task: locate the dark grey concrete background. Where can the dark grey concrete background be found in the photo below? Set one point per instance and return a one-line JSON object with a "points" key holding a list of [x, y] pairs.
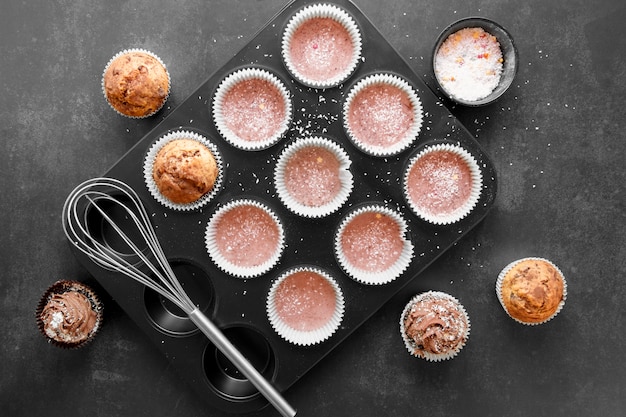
{"points": [[556, 137]]}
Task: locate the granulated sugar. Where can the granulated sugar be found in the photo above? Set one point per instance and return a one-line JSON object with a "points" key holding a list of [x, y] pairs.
{"points": [[468, 64]]}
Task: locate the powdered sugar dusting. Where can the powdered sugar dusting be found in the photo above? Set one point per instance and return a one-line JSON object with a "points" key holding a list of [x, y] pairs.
{"points": [[305, 300], [372, 241], [381, 115], [312, 176], [247, 236], [254, 109], [439, 182], [321, 48]]}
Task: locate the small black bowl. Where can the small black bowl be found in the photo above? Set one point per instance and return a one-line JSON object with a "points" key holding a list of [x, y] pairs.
{"points": [[509, 54]]}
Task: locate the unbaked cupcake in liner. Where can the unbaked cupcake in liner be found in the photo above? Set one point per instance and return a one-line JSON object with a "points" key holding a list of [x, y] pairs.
{"points": [[305, 305], [434, 326], [186, 173], [321, 46], [252, 109], [244, 238], [136, 83], [312, 177], [371, 245], [442, 183], [531, 290], [69, 314], [382, 115]]}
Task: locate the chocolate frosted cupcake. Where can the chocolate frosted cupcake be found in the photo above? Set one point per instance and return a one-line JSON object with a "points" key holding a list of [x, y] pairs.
{"points": [[136, 83], [69, 314], [442, 184], [321, 46], [305, 305], [244, 238], [382, 115], [313, 177], [252, 109], [531, 290], [183, 170], [434, 326], [371, 245]]}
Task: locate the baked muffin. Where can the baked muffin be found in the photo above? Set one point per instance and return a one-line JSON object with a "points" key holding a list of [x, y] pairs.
{"points": [[531, 290], [136, 83], [69, 314], [434, 326], [184, 170]]}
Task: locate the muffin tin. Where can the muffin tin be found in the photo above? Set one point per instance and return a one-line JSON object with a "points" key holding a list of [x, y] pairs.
{"points": [[237, 305]]}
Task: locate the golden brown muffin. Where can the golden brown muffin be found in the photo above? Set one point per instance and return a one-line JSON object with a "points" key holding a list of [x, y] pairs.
{"points": [[136, 84], [184, 170], [532, 290]]}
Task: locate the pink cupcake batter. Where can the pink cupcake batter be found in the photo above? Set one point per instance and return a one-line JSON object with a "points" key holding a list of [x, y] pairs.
{"points": [[372, 241], [380, 115], [254, 109], [321, 49], [247, 236], [305, 300], [439, 182], [312, 176]]}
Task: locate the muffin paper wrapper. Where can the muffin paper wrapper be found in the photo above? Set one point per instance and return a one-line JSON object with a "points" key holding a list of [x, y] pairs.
{"points": [[229, 82], [507, 268], [301, 337], [322, 11], [149, 163], [409, 138], [375, 277], [223, 263], [125, 51], [63, 286], [410, 344], [345, 177], [465, 209]]}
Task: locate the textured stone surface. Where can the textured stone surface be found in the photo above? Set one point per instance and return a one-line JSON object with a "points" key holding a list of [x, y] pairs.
{"points": [[556, 137]]}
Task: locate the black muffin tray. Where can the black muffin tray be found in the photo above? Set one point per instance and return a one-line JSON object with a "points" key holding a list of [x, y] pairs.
{"points": [[236, 305]]}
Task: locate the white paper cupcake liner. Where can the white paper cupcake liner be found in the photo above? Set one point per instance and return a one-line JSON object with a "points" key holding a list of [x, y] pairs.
{"points": [[507, 268], [345, 178], [412, 133], [241, 271], [302, 337], [322, 11], [125, 51], [410, 343], [375, 277], [467, 207], [226, 85], [149, 163]]}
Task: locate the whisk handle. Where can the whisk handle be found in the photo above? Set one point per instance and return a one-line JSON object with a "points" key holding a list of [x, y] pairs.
{"points": [[243, 365]]}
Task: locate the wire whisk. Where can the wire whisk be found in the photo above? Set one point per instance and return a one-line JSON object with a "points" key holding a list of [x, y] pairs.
{"points": [[107, 195]]}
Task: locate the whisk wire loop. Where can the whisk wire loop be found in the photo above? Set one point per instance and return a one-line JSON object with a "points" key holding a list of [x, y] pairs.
{"points": [[98, 196]]}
